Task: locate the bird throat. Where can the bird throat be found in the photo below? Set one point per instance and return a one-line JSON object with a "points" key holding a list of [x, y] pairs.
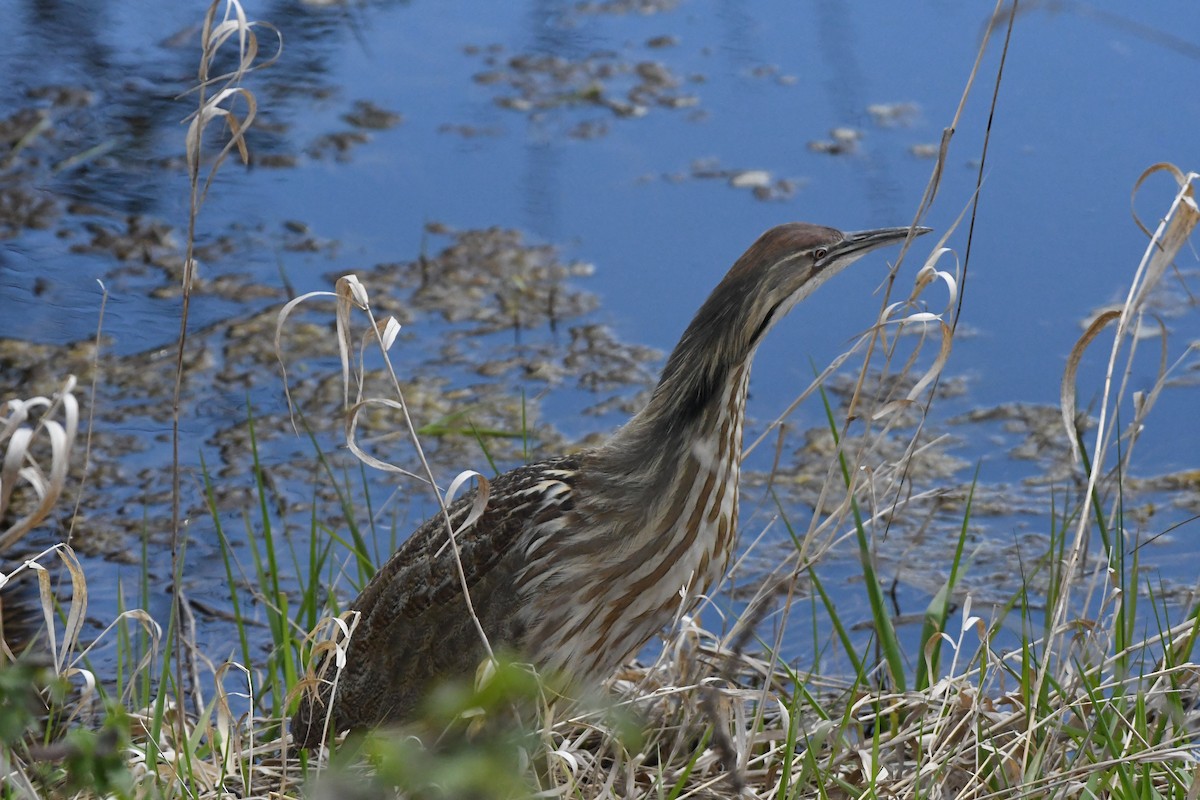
{"points": [[672, 535], [703, 509], [691, 517]]}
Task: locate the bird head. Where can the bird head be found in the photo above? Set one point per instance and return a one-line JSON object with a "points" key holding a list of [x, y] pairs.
{"points": [[787, 264]]}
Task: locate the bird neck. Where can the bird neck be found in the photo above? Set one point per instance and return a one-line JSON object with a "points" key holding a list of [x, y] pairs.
{"points": [[696, 411]]}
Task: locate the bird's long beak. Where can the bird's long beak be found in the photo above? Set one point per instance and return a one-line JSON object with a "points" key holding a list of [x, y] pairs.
{"points": [[856, 244]]}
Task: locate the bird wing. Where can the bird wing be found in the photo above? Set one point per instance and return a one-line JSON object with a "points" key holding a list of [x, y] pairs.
{"points": [[422, 574], [414, 627]]}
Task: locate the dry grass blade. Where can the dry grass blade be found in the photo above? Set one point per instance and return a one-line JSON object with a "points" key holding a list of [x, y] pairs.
{"points": [[148, 625], [1165, 243], [483, 491], [351, 296], [352, 444], [78, 604], [60, 651], [280, 321], [90, 427], [324, 644], [226, 732], [17, 437], [939, 363], [220, 105], [217, 105], [1172, 232], [1067, 391]]}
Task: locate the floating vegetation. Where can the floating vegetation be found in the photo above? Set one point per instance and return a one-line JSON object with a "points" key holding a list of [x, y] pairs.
{"points": [[759, 182], [366, 114], [841, 141], [894, 115], [487, 303], [641, 7], [625, 86], [772, 72]]}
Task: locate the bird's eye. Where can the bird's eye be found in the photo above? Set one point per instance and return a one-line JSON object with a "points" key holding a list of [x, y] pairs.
{"points": [[820, 253]]}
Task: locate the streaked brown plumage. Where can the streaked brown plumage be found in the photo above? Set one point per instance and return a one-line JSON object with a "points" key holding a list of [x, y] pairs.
{"points": [[577, 561]]}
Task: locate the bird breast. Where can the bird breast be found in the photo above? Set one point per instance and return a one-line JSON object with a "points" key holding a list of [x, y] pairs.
{"points": [[594, 601]]}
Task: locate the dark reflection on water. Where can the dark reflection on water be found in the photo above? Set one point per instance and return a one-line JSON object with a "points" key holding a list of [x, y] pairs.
{"points": [[846, 88]]}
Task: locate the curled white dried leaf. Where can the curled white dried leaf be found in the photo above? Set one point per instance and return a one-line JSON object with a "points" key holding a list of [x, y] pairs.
{"points": [[945, 637], [928, 274], [19, 466], [875, 769], [340, 622], [223, 30], [939, 363], [785, 715], [478, 506], [347, 628], [352, 436], [485, 673], [350, 286], [391, 329], [920, 316], [1174, 228], [280, 319], [89, 681], [37, 481], [931, 644], [286, 311], [568, 758], [14, 457], [925, 276], [77, 611]]}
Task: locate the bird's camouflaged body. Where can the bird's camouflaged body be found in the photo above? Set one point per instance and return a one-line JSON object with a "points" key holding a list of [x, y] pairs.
{"points": [[577, 561]]}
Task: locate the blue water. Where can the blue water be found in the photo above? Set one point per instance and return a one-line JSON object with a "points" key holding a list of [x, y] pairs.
{"points": [[1092, 94]]}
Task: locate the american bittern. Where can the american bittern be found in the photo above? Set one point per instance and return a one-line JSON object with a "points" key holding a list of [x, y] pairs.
{"points": [[577, 561]]}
